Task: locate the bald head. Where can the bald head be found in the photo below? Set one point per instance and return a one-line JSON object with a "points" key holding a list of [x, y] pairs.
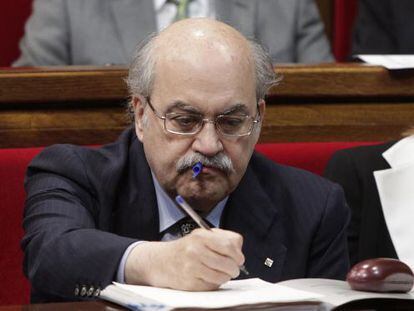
{"points": [[202, 37], [201, 27], [204, 45]]}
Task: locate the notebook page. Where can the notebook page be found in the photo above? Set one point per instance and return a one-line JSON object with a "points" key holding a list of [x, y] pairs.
{"points": [[238, 292]]}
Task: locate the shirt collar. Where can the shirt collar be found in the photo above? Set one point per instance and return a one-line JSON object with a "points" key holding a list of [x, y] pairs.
{"points": [[169, 213]]}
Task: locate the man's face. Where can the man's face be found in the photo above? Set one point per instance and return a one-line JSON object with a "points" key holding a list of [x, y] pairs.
{"points": [[187, 86]]}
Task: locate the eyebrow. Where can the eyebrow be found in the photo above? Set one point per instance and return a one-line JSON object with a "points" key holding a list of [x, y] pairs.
{"points": [[182, 106], [237, 108], [190, 109]]}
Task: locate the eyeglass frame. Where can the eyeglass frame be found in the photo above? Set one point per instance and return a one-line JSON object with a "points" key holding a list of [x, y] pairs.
{"points": [[256, 120]]}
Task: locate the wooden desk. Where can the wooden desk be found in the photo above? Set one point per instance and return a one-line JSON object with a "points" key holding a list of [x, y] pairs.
{"points": [[385, 305], [106, 306], [85, 105], [72, 306]]}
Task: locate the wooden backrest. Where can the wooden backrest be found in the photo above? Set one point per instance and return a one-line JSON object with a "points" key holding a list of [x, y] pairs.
{"points": [[85, 105]]}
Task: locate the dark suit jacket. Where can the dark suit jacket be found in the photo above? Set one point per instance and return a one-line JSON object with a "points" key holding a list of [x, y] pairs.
{"points": [[353, 168], [85, 206], [384, 27]]}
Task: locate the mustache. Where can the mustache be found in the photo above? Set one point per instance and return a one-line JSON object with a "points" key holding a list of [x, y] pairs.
{"points": [[219, 161]]}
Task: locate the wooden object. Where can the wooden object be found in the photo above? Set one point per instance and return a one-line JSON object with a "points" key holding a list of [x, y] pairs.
{"points": [[86, 105], [107, 306]]}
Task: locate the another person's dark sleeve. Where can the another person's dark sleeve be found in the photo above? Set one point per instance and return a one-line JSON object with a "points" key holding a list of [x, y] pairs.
{"points": [[341, 169]]}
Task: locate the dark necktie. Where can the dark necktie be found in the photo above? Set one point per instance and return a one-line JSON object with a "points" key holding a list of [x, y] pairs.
{"points": [[186, 225], [181, 228]]}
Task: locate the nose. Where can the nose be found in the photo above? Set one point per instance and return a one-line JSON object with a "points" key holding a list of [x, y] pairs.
{"points": [[207, 141]]}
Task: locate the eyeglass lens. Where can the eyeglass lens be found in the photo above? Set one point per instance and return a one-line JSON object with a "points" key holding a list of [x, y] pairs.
{"points": [[192, 123]]}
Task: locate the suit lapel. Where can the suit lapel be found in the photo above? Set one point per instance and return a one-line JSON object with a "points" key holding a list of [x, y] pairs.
{"points": [[251, 213], [137, 213], [134, 21], [238, 13]]}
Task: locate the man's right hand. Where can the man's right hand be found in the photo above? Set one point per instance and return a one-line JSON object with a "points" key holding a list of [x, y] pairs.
{"points": [[202, 260]]}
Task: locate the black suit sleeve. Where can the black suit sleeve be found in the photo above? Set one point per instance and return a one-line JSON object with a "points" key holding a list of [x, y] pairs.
{"points": [[341, 169], [329, 254], [64, 245], [374, 31]]}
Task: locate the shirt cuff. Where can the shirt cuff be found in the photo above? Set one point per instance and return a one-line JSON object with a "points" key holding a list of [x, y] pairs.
{"points": [[120, 275]]}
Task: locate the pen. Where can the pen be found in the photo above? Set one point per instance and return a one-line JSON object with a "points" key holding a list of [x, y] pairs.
{"points": [[199, 221], [197, 168]]}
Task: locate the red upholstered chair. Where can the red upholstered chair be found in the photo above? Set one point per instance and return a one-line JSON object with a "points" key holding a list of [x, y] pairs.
{"points": [[14, 288], [13, 16], [344, 13]]}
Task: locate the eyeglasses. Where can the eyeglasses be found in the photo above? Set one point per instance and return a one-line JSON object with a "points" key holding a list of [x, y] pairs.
{"points": [[233, 125]]}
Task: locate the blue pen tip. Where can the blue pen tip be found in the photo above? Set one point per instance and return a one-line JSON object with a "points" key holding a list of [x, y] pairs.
{"points": [[179, 199], [197, 168]]}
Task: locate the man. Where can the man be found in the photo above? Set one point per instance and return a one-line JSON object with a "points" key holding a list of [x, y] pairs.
{"points": [[377, 181], [197, 95], [99, 32], [384, 27]]}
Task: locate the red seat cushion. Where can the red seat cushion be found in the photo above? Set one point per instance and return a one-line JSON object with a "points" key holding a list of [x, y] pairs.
{"points": [[14, 288]]}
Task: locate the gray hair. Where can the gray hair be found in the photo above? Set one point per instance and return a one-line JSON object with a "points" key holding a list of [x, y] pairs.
{"points": [[141, 73]]}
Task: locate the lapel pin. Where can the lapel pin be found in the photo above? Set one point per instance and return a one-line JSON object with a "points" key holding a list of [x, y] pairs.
{"points": [[268, 262]]}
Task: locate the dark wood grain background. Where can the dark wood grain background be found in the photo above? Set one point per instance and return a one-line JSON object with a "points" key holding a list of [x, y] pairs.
{"points": [[86, 105]]}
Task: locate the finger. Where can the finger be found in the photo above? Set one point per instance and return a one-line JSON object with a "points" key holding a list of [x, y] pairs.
{"points": [[212, 276], [199, 277], [220, 263], [207, 263], [226, 243]]}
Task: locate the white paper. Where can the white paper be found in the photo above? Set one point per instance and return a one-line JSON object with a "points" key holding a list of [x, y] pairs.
{"points": [[396, 191], [336, 293], [233, 293], [401, 153], [389, 61]]}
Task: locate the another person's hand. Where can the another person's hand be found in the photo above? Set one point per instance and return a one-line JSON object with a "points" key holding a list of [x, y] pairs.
{"points": [[202, 260]]}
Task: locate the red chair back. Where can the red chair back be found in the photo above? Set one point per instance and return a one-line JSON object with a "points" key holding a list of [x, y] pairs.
{"points": [[14, 288], [13, 16], [344, 13]]}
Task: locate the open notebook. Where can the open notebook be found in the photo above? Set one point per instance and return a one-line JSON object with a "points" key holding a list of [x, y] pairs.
{"points": [[244, 294]]}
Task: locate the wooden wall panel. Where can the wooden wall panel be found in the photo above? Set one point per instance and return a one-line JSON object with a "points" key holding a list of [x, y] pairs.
{"points": [[86, 105]]}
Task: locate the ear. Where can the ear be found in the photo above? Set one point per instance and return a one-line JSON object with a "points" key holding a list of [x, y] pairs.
{"points": [[261, 105], [138, 104], [262, 108]]}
